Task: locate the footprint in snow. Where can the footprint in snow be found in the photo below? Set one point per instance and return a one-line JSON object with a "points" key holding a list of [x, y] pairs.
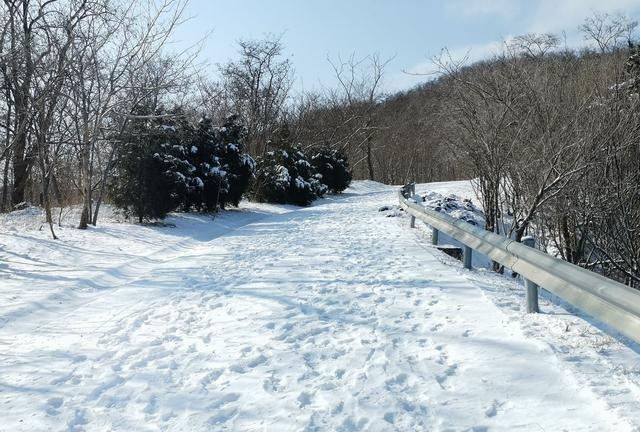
{"points": [[449, 372], [53, 404], [272, 384], [390, 417], [492, 410], [62, 379], [397, 382], [79, 358], [79, 419], [223, 416], [350, 425], [211, 377], [339, 353], [152, 405], [225, 400], [253, 363], [338, 408], [304, 399]]}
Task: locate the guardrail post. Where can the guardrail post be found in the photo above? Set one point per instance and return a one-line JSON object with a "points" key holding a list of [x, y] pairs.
{"points": [[466, 257], [531, 287], [413, 221], [434, 236]]}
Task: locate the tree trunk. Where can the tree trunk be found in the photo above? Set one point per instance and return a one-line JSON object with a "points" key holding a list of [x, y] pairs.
{"points": [[5, 183], [5, 174], [20, 169], [94, 221], [47, 205], [369, 158], [103, 187], [85, 217], [56, 190], [569, 252]]}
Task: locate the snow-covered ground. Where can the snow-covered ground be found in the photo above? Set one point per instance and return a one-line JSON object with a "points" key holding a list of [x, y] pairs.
{"points": [[273, 318]]}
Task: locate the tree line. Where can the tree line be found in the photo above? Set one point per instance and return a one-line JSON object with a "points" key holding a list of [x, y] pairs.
{"points": [[549, 135], [96, 106]]}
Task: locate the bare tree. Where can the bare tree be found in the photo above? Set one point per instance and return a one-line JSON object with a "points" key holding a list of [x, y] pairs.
{"points": [[534, 44], [39, 36], [256, 87], [116, 46], [358, 100], [608, 31]]}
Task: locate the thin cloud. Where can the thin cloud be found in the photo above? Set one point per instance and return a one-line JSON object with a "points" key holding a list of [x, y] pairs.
{"points": [[557, 16], [504, 9], [427, 69]]}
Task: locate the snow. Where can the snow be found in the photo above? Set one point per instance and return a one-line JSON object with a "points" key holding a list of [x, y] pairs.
{"points": [[216, 172], [248, 161], [282, 174], [331, 317], [454, 206], [181, 177], [303, 163], [301, 183]]}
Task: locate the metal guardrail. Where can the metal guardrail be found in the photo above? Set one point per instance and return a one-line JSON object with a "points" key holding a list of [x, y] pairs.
{"points": [[610, 302]]}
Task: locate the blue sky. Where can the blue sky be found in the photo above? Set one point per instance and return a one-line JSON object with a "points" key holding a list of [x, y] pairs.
{"points": [[411, 30]]}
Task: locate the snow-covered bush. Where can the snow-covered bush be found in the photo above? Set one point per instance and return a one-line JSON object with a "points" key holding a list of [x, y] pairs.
{"points": [[285, 175], [454, 206], [238, 166], [150, 170], [166, 163], [223, 170], [210, 179], [333, 167]]}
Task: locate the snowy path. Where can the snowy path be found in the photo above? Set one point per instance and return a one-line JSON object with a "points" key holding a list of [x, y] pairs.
{"points": [[326, 318]]}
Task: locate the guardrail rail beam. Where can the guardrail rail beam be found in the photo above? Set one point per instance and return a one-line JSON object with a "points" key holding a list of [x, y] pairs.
{"points": [[608, 301]]}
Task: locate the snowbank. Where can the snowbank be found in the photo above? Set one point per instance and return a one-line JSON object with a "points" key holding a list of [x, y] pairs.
{"points": [[454, 206]]}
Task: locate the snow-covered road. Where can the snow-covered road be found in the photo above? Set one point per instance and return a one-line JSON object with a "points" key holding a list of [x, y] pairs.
{"points": [[332, 317]]}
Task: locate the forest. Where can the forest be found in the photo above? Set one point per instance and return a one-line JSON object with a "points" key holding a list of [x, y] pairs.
{"points": [[97, 106]]}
